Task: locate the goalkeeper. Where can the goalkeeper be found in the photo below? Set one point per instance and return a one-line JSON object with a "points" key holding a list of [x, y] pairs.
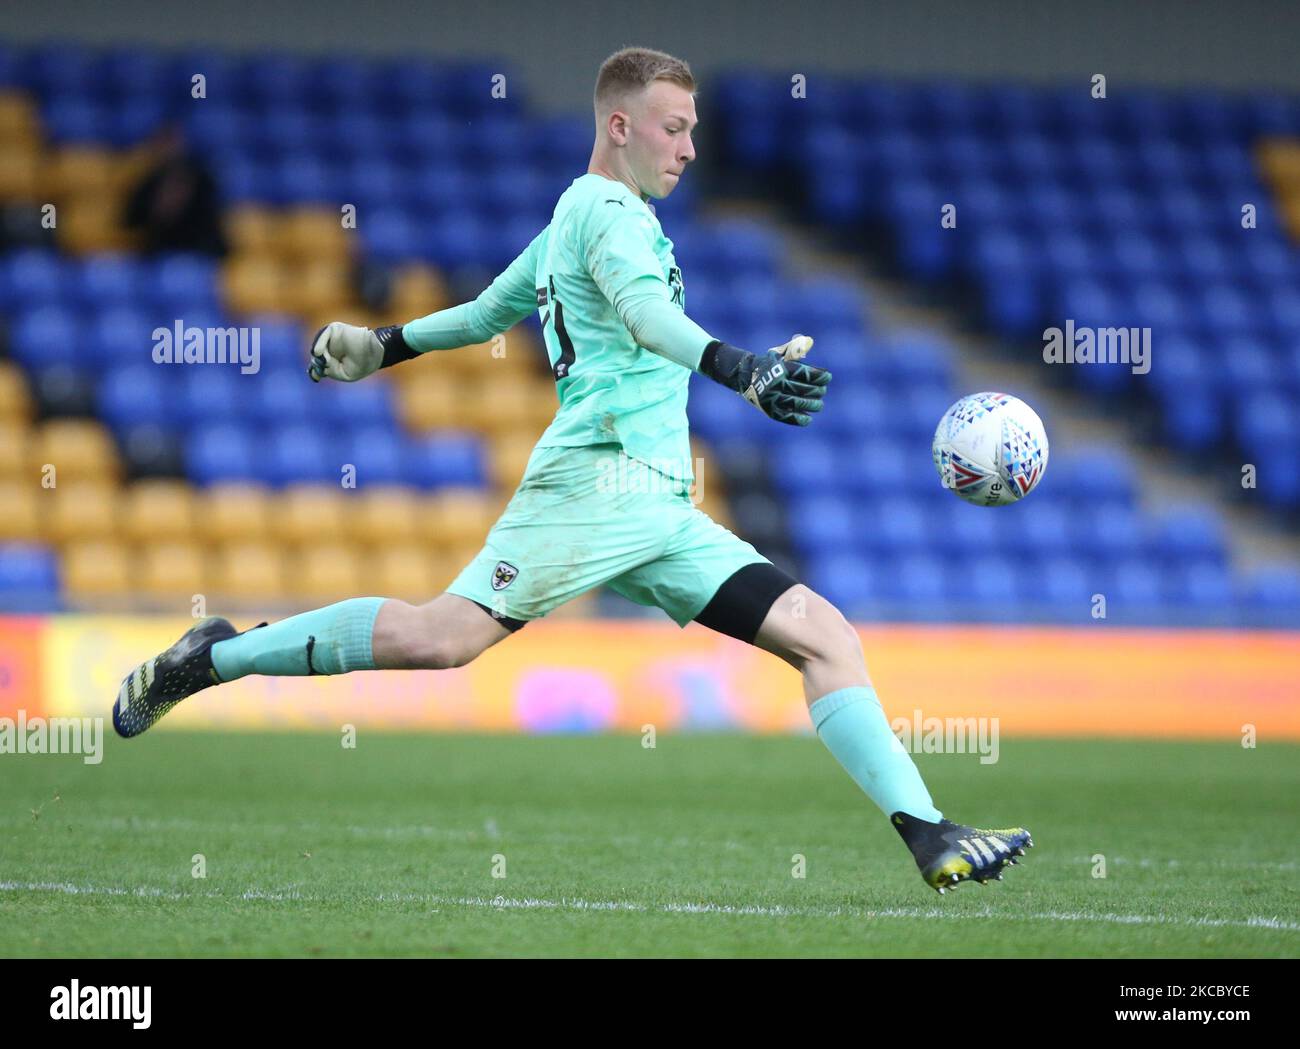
{"points": [[622, 350]]}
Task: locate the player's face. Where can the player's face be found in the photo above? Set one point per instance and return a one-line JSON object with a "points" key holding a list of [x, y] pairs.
{"points": [[659, 137]]}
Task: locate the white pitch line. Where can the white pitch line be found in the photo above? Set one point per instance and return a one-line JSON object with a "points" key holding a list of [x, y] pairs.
{"points": [[578, 904], [1147, 862]]}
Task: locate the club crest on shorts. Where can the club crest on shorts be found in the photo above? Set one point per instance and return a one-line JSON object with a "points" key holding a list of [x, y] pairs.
{"points": [[503, 575]]}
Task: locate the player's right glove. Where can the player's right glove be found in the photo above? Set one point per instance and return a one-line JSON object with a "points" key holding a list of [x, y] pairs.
{"points": [[775, 382], [347, 352]]}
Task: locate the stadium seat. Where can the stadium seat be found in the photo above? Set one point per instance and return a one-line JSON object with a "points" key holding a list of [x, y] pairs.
{"points": [[255, 284], [29, 578], [83, 509], [406, 571], [76, 448], [233, 512], [508, 455], [325, 571], [429, 401], [15, 398], [304, 514], [24, 505], [250, 573], [97, 569], [172, 572], [156, 511], [382, 516], [457, 517]]}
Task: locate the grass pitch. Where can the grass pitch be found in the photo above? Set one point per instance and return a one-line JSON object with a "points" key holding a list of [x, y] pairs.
{"points": [[611, 849]]}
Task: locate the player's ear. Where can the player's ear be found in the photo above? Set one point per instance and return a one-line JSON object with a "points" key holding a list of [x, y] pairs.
{"points": [[617, 126]]}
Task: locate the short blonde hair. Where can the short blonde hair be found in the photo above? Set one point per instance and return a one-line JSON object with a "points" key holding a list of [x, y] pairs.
{"points": [[635, 68]]}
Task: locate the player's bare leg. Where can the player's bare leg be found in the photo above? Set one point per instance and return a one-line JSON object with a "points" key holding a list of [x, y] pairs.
{"points": [[448, 631], [811, 634]]}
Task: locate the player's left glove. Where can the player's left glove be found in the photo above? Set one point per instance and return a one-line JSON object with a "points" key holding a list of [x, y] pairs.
{"points": [[776, 382], [347, 352]]}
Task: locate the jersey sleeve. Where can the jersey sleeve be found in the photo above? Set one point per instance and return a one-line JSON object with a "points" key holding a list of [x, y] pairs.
{"points": [[618, 247], [510, 298]]}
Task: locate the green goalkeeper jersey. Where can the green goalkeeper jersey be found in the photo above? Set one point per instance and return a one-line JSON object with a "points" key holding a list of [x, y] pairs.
{"points": [[603, 277]]}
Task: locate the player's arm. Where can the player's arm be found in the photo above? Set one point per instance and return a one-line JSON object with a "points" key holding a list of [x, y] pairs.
{"points": [[620, 257], [347, 352]]}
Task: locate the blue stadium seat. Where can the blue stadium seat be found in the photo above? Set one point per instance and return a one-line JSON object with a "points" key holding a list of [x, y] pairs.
{"points": [[891, 526], [301, 452], [107, 280], [29, 578], [822, 523], [46, 335], [35, 276], [376, 452], [138, 393], [180, 281], [281, 395], [225, 451], [447, 458]]}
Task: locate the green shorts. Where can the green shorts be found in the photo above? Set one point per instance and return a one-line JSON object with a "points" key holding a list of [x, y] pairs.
{"points": [[590, 516]]}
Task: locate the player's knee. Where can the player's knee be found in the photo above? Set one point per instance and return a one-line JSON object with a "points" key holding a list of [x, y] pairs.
{"points": [[443, 650], [834, 639]]}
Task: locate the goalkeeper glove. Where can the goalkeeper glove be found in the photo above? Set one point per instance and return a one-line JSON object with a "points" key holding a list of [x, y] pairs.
{"points": [[774, 382], [347, 353]]}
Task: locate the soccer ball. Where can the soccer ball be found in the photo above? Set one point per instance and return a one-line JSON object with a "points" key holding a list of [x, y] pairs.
{"points": [[990, 449]]}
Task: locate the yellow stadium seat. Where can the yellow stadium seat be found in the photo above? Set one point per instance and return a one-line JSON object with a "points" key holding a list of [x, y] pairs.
{"points": [[20, 520], [97, 569], [507, 457], [318, 286], [1280, 159], [234, 512], [428, 401], [382, 515], [15, 399], [253, 230], [418, 290], [309, 513], [254, 284], [81, 171], [172, 571], [314, 233], [527, 352], [517, 404], [445, 566], [463, 552], [469, 363], [405, 571], [155, 510], [249, 572], [16, 451], [20, 174], [82, 510], [92, 223], [76, 448], [326, 572], [19, 121], [457, 517]]}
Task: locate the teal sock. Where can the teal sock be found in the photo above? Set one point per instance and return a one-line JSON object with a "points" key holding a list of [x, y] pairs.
{"points": [[338, 635], [852, 724]]}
